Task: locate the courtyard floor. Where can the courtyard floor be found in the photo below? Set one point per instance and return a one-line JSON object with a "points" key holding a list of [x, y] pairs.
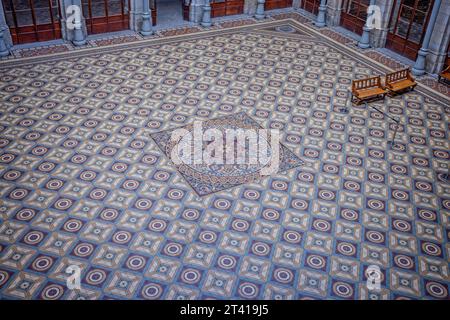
{"points": [[83, 181]]}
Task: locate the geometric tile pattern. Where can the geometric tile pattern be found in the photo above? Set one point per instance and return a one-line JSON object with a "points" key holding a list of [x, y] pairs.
{"points": [[82, 182]]}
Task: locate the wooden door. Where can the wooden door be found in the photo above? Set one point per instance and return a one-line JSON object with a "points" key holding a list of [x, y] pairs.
{"points": [[354, 15], [106, 15], [409, 20], [220, 8], [311, 5], [32, 20], [277, 4]]}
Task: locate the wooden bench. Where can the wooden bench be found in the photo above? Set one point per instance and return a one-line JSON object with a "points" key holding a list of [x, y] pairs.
{"points": [[367, 89], [399, 81], [444, 76]]}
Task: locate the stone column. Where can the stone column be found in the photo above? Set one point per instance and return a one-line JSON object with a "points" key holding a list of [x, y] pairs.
{"points": [[73, 24], [250, 7], [146, 28], [334, 9], [5, 36], [419, 67], [196, 10], [364, 42], [260, 10], [320, 22], [440, 38], [206, 16], [136, 14]]}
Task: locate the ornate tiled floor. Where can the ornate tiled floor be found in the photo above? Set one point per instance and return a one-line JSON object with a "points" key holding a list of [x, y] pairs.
{"points": [[83, 183]]}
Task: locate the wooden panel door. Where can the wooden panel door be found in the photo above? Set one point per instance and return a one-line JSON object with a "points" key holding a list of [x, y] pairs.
{"points": [[409, 20], [277, 4], [311, 5], [32, 20], [220, 8], [106, 15], [354, 15]]}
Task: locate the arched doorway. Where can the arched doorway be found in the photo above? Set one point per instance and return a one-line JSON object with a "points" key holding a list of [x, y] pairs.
{"points": [[409, 20], [32, 20]]}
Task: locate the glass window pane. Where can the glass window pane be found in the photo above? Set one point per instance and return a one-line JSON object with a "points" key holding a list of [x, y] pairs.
{"points": [[395, 11], [409, 3], [97, 8], [424, 5], [363, 13], [417, 27], [9, 19], [38, 4], [24, 18], [114, 7], [42, 15], [21, 4], [404, 20], [353, 8]]}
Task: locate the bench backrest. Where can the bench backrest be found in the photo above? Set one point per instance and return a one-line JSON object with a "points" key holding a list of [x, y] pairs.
{"points": [[398, 76], [366, 83]]}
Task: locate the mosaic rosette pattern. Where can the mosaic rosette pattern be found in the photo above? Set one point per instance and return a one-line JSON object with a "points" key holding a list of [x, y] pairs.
{"points": [[210, 178], [82, 182]]}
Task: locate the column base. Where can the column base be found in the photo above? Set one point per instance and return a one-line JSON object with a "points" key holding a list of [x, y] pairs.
{"points": [[78, 37], [363, 45], [146, 33], [79, 42], [146, 29], [419, 66], [320, 21], [417, 72], [206, 16], [364, 42]]}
